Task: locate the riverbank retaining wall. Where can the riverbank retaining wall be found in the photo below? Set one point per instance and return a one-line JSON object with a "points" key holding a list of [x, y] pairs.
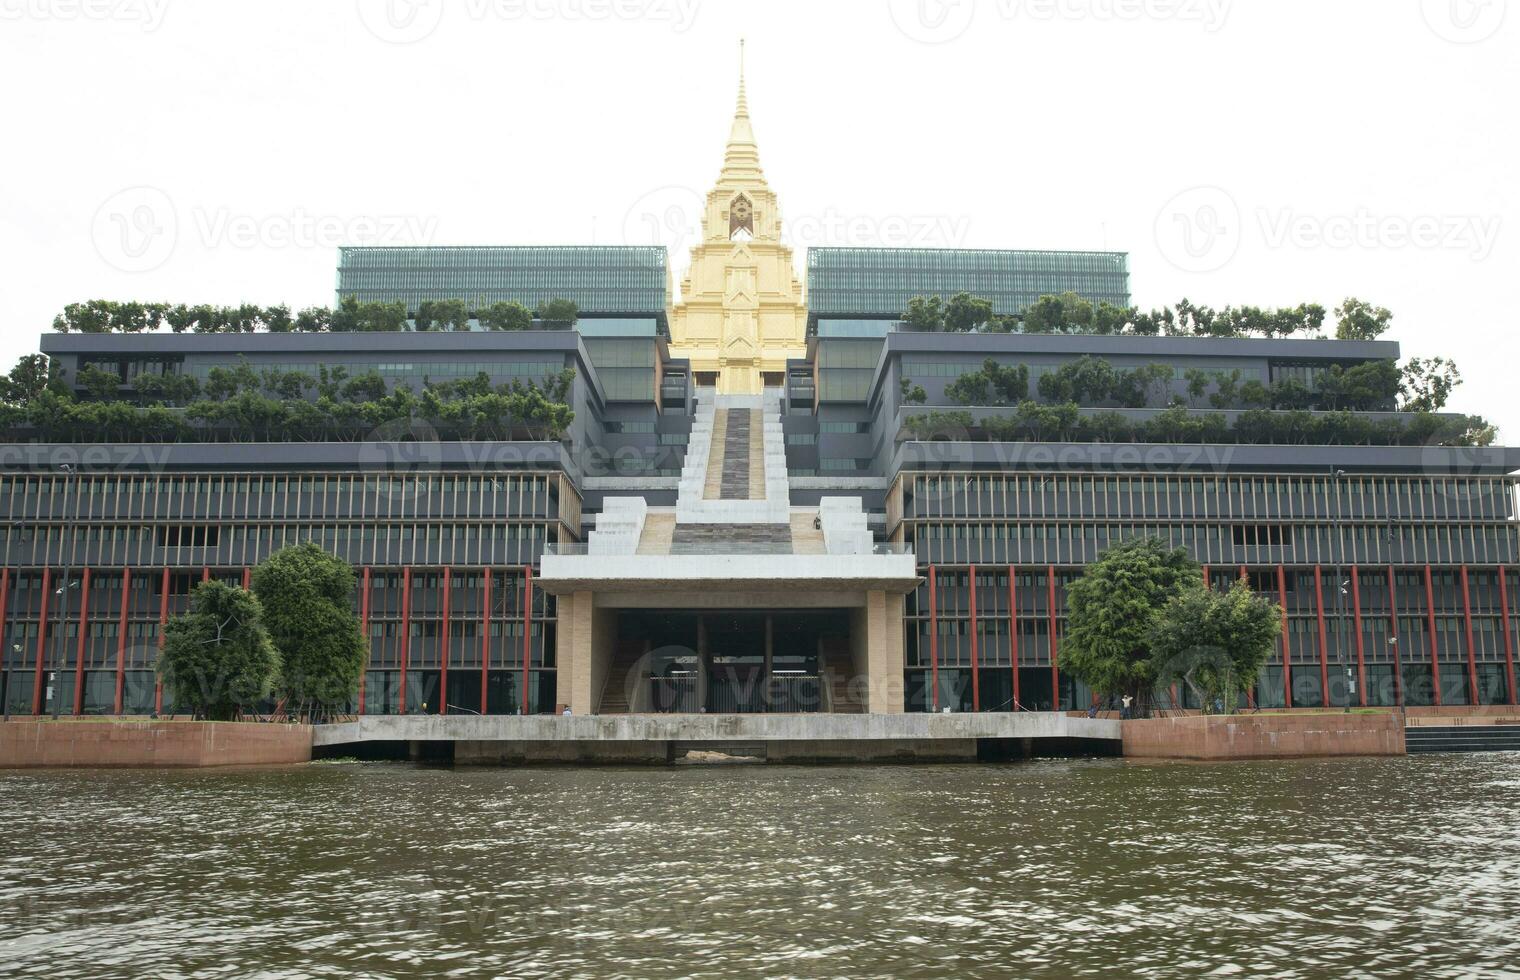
{"points": [[1265, 736], [32, 743]]}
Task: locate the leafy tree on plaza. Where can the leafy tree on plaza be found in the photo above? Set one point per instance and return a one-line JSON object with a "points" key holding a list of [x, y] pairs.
{"points": [[1111, 609], [1215, 643], [307, 598], [218, 658]]}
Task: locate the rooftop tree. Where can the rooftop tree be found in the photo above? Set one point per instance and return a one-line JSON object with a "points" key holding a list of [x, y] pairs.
{"points": [[561, 313], [1356, 320], [506, 316]]}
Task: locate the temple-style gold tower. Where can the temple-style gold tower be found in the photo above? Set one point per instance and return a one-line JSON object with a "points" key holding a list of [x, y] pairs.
{"points": [[742, 312]]}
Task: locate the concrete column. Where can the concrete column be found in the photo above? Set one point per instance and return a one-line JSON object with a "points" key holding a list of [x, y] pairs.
{"points": [[770, 660], [582, 654], [884, 653], [564, 651]]}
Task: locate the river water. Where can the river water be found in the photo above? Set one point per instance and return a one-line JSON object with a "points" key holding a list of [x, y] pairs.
{"points": [[1399, 867]]}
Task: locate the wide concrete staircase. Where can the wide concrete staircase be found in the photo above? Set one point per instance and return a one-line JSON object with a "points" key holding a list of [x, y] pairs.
{"points": [[735, 469], [619, 527], [625, 658], [734, 495]]}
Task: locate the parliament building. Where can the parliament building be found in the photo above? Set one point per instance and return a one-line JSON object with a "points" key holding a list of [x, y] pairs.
{"points": [[771, 495]]}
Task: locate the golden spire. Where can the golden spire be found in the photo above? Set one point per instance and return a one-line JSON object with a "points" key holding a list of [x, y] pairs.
{"points": [[741, 159], [743, 109]]}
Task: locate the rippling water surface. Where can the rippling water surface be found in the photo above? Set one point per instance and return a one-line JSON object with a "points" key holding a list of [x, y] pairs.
{"points": [[1374, 868]]}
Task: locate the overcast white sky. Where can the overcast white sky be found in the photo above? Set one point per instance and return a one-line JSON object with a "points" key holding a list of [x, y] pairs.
{"points": [[1242, 151]]}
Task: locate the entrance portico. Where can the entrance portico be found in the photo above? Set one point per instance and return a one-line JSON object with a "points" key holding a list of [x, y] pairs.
{"points": [[727, 634]]}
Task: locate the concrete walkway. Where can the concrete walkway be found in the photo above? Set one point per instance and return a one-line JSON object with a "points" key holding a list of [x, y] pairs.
{"points": [[715, 728]]}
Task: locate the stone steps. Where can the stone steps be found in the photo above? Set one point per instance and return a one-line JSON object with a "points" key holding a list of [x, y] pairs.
{"points": [[615, 694], [735, 469], [754, 539]]}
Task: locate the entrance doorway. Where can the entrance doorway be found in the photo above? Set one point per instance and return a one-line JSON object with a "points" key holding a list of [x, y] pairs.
{"points": [[688, 662]]}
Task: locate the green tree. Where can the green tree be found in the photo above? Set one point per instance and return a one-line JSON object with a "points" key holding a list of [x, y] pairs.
{"points": [[1198, 381], [1371, 386], [1427, 384], [307, 598], [913, 394], [314, 319], [1290, 394], [1111, 609], [103, 385], [1154, 382], [994, 384], [448, 314], [1226, 390], [506, 316], [1356, 320], [367, 387], [1215, 643], [941, 426], [217, 658], [32, 375], [966, 313], [559, 313], [277, 319], [925, 313], [1066, 313]]}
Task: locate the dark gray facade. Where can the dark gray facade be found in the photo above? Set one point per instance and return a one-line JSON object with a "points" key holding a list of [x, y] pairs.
{"points": [[1396, 564]]}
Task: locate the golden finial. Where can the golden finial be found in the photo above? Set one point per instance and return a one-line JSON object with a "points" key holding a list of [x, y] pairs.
{"points": [[743, 102]]}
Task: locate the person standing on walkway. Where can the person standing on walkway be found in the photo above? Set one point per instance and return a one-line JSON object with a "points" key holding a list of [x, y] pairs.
{"points": [[1125, 711]]}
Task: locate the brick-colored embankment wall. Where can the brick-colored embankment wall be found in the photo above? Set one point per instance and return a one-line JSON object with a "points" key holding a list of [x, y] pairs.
{"points": [[32, 744], [1265, 736]]}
